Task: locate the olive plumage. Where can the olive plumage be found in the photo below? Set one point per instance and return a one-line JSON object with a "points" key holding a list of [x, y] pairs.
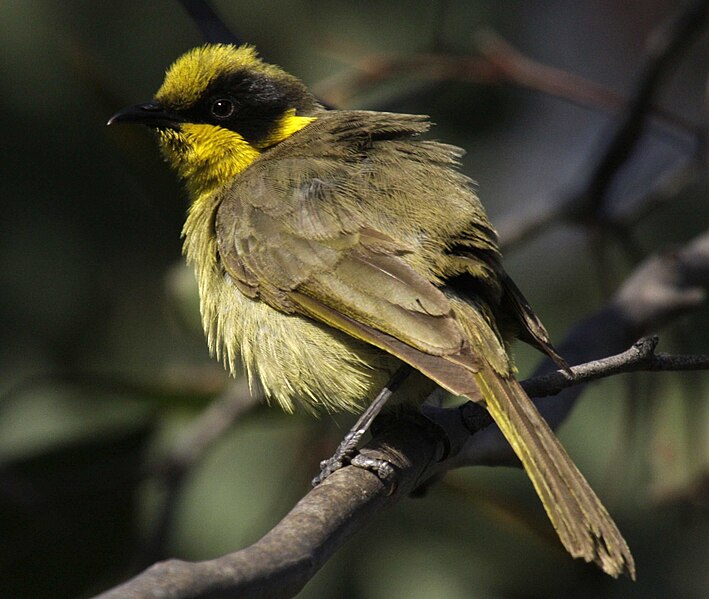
{"points": [[333, 246]]}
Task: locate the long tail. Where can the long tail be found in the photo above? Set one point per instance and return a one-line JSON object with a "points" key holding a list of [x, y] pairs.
{"points": [[583, 524], [581, 521]]}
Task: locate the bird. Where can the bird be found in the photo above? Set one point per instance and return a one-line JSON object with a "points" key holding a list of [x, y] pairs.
{"points": [[332, 248]]}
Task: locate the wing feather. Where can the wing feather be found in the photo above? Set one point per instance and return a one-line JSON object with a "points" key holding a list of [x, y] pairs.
{"points": [[293, 222]]}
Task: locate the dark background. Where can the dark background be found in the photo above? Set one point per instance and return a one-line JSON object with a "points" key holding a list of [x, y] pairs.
{"points": [[103, 364]]}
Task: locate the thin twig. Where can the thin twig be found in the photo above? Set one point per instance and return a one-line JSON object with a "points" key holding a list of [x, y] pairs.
{"points": [[640, 357], [514, 67], [497, 63], [521, 70], [660, 290]]}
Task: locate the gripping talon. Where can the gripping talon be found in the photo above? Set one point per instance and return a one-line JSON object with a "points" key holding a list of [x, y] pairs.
{"points": [[342, 456], [383, 469]]}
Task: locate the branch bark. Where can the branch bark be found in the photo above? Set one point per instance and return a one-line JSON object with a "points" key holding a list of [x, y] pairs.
{"points": [[279, 564]]}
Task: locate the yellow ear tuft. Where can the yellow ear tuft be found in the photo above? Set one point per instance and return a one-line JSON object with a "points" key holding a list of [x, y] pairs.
{"points": [[287, 126]]}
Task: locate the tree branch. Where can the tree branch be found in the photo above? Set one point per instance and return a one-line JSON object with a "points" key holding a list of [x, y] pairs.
{"points": [[279, 564]]}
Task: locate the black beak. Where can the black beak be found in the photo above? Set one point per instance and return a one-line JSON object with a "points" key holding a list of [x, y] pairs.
{"points": [[151, 114]]}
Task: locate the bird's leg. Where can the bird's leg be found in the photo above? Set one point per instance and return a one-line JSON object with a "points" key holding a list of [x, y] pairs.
{"points": [[346, 452]]}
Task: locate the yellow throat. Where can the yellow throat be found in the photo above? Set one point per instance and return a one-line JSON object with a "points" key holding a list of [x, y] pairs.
{"points": [[207, 156]]}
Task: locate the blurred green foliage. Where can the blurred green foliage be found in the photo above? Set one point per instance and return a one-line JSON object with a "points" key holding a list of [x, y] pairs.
{"points": [[102, 361]]}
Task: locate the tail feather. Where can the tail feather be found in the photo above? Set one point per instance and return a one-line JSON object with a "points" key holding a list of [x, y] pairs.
{"points": [[484, 376], [581, 521]]}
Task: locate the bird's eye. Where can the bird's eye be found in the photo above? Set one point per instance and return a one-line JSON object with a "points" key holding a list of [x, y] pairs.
{"points": [[222, 108]]}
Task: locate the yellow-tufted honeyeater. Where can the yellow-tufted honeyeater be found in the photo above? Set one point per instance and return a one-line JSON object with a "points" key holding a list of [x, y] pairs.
{"points": [[333, 246]]}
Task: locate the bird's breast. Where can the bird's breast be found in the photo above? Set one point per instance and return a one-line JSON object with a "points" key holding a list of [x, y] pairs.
{"points": [[294, 360]]}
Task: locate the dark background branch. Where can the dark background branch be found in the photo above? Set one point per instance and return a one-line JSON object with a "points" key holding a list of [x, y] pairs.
{"points": [[665, 47]]}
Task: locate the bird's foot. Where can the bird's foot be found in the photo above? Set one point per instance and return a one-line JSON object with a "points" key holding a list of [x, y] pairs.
{"points": [[383, 469], [345, 452]]}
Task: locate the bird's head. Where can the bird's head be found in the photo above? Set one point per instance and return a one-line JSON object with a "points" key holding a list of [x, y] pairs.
{"points": [[218, 108]]}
